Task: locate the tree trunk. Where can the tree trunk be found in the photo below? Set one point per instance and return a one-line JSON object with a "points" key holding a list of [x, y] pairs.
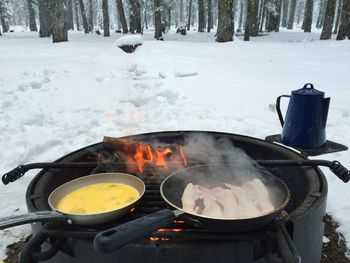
{"points": [[91, 16], [157, 19], [189, 15], [273, 17], [122, 16], [285, 13], [339, 7], [249, 20], [263, 17], [32, 23], [261, 14], [225, 24], [83, 16], [59, 30], [309, 6], [293, 5], [210, 16], [299, 14], [328, 21], [181, 12], [135, 16], [321, 13], [201, 16], [169, 16], [76, 14], [344, 28], [45, 17], [105, 18], [240, 21], [254, 26], [69, 22]]}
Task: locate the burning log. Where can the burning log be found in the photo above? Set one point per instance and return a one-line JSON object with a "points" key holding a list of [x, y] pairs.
{"points": [[146, 157]]}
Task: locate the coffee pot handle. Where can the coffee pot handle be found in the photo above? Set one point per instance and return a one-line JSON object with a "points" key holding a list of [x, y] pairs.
{"points": [[278, 108]]}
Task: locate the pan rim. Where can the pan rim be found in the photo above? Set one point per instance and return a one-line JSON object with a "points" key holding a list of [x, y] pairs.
{"points": [[99, 213], [279, 208]]}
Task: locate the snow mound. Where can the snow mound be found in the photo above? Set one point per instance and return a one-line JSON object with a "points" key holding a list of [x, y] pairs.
{"points": [[133, 40]]}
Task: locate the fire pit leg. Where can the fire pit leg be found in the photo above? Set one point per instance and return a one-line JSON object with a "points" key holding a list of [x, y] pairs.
{"points": [[32, 253]]}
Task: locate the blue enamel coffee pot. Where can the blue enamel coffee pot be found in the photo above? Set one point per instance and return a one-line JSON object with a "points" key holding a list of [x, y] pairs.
{"points": [[304, 125]]}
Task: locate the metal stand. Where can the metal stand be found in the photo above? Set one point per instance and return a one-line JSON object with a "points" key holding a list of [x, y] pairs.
{"points": [[328, 147]]}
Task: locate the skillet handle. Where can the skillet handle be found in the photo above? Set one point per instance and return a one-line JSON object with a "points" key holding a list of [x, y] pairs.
{"points": [[52, 216], [119, 236]]}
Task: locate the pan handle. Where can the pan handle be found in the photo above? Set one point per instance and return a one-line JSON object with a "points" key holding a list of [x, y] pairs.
{"points": [[52, 216], [119, 236]]}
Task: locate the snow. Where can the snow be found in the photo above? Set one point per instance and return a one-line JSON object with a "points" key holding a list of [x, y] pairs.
{"points": [[56, 98], [130, 40]]}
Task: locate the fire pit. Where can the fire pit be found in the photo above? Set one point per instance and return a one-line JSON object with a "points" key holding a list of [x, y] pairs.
{"points": [[180, 241]]}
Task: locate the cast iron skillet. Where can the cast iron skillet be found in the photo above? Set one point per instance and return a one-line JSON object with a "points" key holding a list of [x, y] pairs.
{"points": [[172, 189], [82, 219]]}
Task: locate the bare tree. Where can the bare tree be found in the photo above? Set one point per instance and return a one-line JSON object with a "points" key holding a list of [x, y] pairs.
{"points": [[189, 14], [328, 21], [59, 30], [157, 19], [344, 28], [201, 16], [225, 24], [32, 23], [307, 22], [293, 5], [122, 16], [106, 32], [83, 16], [339, 7]]}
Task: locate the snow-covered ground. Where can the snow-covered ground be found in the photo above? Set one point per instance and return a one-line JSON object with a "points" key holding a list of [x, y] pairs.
{"points": [[56, 98]]}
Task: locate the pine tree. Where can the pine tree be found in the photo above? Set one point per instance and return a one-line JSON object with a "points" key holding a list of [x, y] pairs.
{"points": [[122, 16], [105, 14], [59, 30], [83, 16], [309, 6], [158, 19], [344, 28], [328, 21], [45, 18], [293, 5], [32, 23], [201, 16], [225, 24]]}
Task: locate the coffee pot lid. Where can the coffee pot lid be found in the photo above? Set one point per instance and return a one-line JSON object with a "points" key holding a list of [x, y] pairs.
{"points": [[309, 90]]}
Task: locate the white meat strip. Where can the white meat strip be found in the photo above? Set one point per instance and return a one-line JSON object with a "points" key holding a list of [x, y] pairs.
{"points": [[227, 200], [211, 206], [247, 207], [189, 197], [260, 193]]}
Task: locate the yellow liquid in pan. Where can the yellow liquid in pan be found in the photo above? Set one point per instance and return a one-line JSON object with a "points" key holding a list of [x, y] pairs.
{"points": [[98, 198]]}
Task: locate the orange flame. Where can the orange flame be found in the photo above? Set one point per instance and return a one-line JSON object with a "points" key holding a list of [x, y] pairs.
{"points": [[145, 154]]}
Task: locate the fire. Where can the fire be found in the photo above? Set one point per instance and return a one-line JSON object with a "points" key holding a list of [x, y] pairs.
{"points": [[139, 155], [169, 230], [159, 238]]}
